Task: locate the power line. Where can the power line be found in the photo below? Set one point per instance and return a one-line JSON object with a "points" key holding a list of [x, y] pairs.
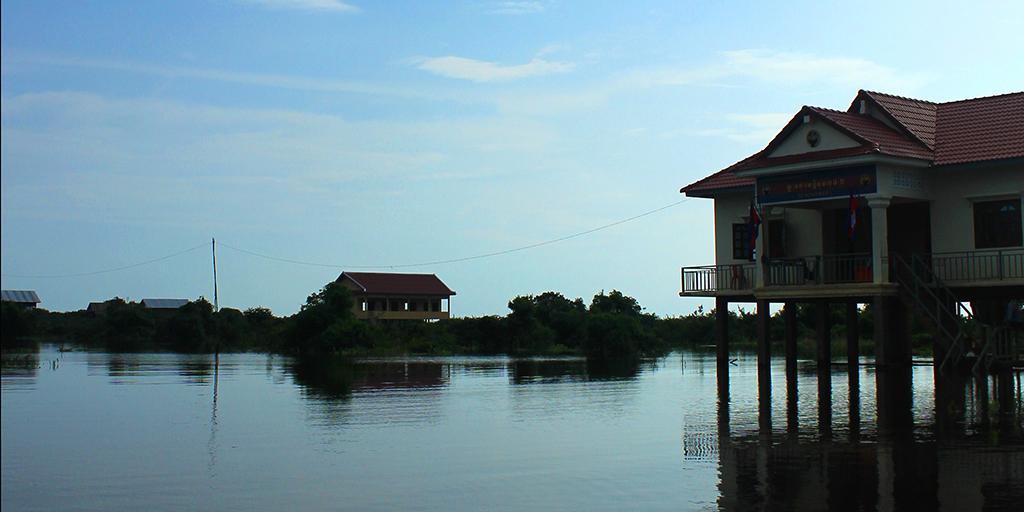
{"points": [[332, 265], [462, 259], [109, 270]]}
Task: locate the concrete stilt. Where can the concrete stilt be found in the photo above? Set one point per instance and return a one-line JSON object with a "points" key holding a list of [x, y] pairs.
{"points": [[764, 370], [823, 335], [792, 409], [789, 317], [852, 334], [722, 332], [892, 332]]}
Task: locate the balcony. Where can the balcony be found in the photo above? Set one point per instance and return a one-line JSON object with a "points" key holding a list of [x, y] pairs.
{"points": [[848, 272], [710, 280]]}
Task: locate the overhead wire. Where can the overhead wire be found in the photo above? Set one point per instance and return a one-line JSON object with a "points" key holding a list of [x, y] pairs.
{"points": [[464, 258], [109, 270], [334, 265]]}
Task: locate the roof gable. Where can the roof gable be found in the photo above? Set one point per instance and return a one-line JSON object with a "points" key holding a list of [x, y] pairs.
{"points": [[951, 133], [917, 118], [794, 139], [386, 283]]}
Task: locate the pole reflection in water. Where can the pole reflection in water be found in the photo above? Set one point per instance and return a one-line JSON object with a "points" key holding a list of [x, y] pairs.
{"points": [[952, 461]]}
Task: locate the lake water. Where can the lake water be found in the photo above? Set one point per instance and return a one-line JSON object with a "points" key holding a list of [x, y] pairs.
{"points": [[97, 431]]}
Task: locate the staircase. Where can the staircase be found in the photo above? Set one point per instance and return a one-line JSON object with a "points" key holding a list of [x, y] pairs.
{"points": [[929, 296], [932, 298], [1002, 346]]}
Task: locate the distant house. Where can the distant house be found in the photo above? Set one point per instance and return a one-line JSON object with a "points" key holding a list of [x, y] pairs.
{"points": [[164, 304], [97, 308], [389, 296], [27, 299]]}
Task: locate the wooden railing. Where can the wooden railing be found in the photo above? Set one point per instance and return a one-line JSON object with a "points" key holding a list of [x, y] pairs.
{"points": [[716, 278]]}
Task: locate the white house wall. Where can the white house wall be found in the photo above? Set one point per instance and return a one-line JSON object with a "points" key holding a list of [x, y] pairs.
{"points": [[955, 191], [729, 209]]}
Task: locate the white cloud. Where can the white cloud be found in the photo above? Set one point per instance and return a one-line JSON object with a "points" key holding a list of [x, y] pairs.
{"points": [[517, 7], [752, 128], [802, 68], [306, 5], [484, 71], [277, 81]]}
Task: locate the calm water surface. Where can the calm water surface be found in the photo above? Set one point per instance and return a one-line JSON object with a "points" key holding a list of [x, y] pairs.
{"points": [[97, 431]]}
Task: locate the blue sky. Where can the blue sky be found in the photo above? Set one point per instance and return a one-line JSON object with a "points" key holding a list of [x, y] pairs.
{"points": [[378, 133]]}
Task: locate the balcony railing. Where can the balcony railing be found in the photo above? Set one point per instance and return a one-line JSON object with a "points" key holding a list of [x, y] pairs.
{"points": [[810, 270], [715, 278], [952, 267], [985, 265]]}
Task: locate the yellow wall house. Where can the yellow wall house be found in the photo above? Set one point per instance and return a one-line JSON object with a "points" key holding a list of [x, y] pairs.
{"points": [[391, 296], [910, 205]]}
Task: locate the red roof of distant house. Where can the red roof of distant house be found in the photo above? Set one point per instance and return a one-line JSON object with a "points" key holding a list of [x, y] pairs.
{"points": [[956, 132], [397, 284]]}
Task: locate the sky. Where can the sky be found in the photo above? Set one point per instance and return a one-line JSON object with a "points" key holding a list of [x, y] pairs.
{"points": [[363, 134]]}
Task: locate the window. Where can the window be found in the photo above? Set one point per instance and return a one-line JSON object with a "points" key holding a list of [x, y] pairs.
{"points": [[997, 224], [741, 247]]}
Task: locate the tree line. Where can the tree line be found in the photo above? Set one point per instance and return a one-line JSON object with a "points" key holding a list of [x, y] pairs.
{"points": [[612, 327]]}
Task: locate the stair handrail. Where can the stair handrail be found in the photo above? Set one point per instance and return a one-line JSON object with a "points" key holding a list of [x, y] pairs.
{"points": [[931, 285]]}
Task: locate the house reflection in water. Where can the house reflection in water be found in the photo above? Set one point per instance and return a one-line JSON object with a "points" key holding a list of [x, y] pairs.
{"points": [[965, 458], [400, 375]]}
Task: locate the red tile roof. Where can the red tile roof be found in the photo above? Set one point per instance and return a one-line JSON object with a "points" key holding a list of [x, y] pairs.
{"points": [[956, 132], [917, 116], [877, 134], [980, 129], [397, 284]]}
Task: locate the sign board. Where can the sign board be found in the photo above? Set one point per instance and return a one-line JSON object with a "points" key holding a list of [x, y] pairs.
{"points": [[817, 185]]}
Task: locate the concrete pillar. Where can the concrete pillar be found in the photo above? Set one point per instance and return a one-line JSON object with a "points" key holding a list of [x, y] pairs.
{"points": [[759, 245], [792, 405], [792, 412], [854, 395], [853, 367], [892, 331], [789, 318], [764, 347], [764, 375], [722, 332], [880, 238], [852, 335], [823, 337], [823, 334]]}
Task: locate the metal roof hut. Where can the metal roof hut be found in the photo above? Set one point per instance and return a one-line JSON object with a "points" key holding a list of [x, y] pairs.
{"points": [[163, 304], [27, 299], [391, 296]]}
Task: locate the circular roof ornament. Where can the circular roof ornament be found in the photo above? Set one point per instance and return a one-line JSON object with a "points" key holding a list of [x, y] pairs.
{"points": [[813, 138]]}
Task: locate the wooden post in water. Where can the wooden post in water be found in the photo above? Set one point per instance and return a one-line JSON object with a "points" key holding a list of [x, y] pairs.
{"points": [[216, 302]]}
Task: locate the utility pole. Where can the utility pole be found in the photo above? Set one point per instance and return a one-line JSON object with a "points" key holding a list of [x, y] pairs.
{"points": [[216, 305]]}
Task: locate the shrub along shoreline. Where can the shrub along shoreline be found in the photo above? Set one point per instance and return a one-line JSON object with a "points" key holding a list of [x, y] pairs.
{"points": [[612, 327]]}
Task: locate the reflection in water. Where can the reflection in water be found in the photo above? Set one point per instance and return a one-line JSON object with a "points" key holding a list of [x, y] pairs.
{"points": [[963, 461], [328, 377], [169, 431]]}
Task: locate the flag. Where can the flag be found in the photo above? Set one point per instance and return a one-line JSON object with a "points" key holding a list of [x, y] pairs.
{"points": [[755, 225], [854, 204]]}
